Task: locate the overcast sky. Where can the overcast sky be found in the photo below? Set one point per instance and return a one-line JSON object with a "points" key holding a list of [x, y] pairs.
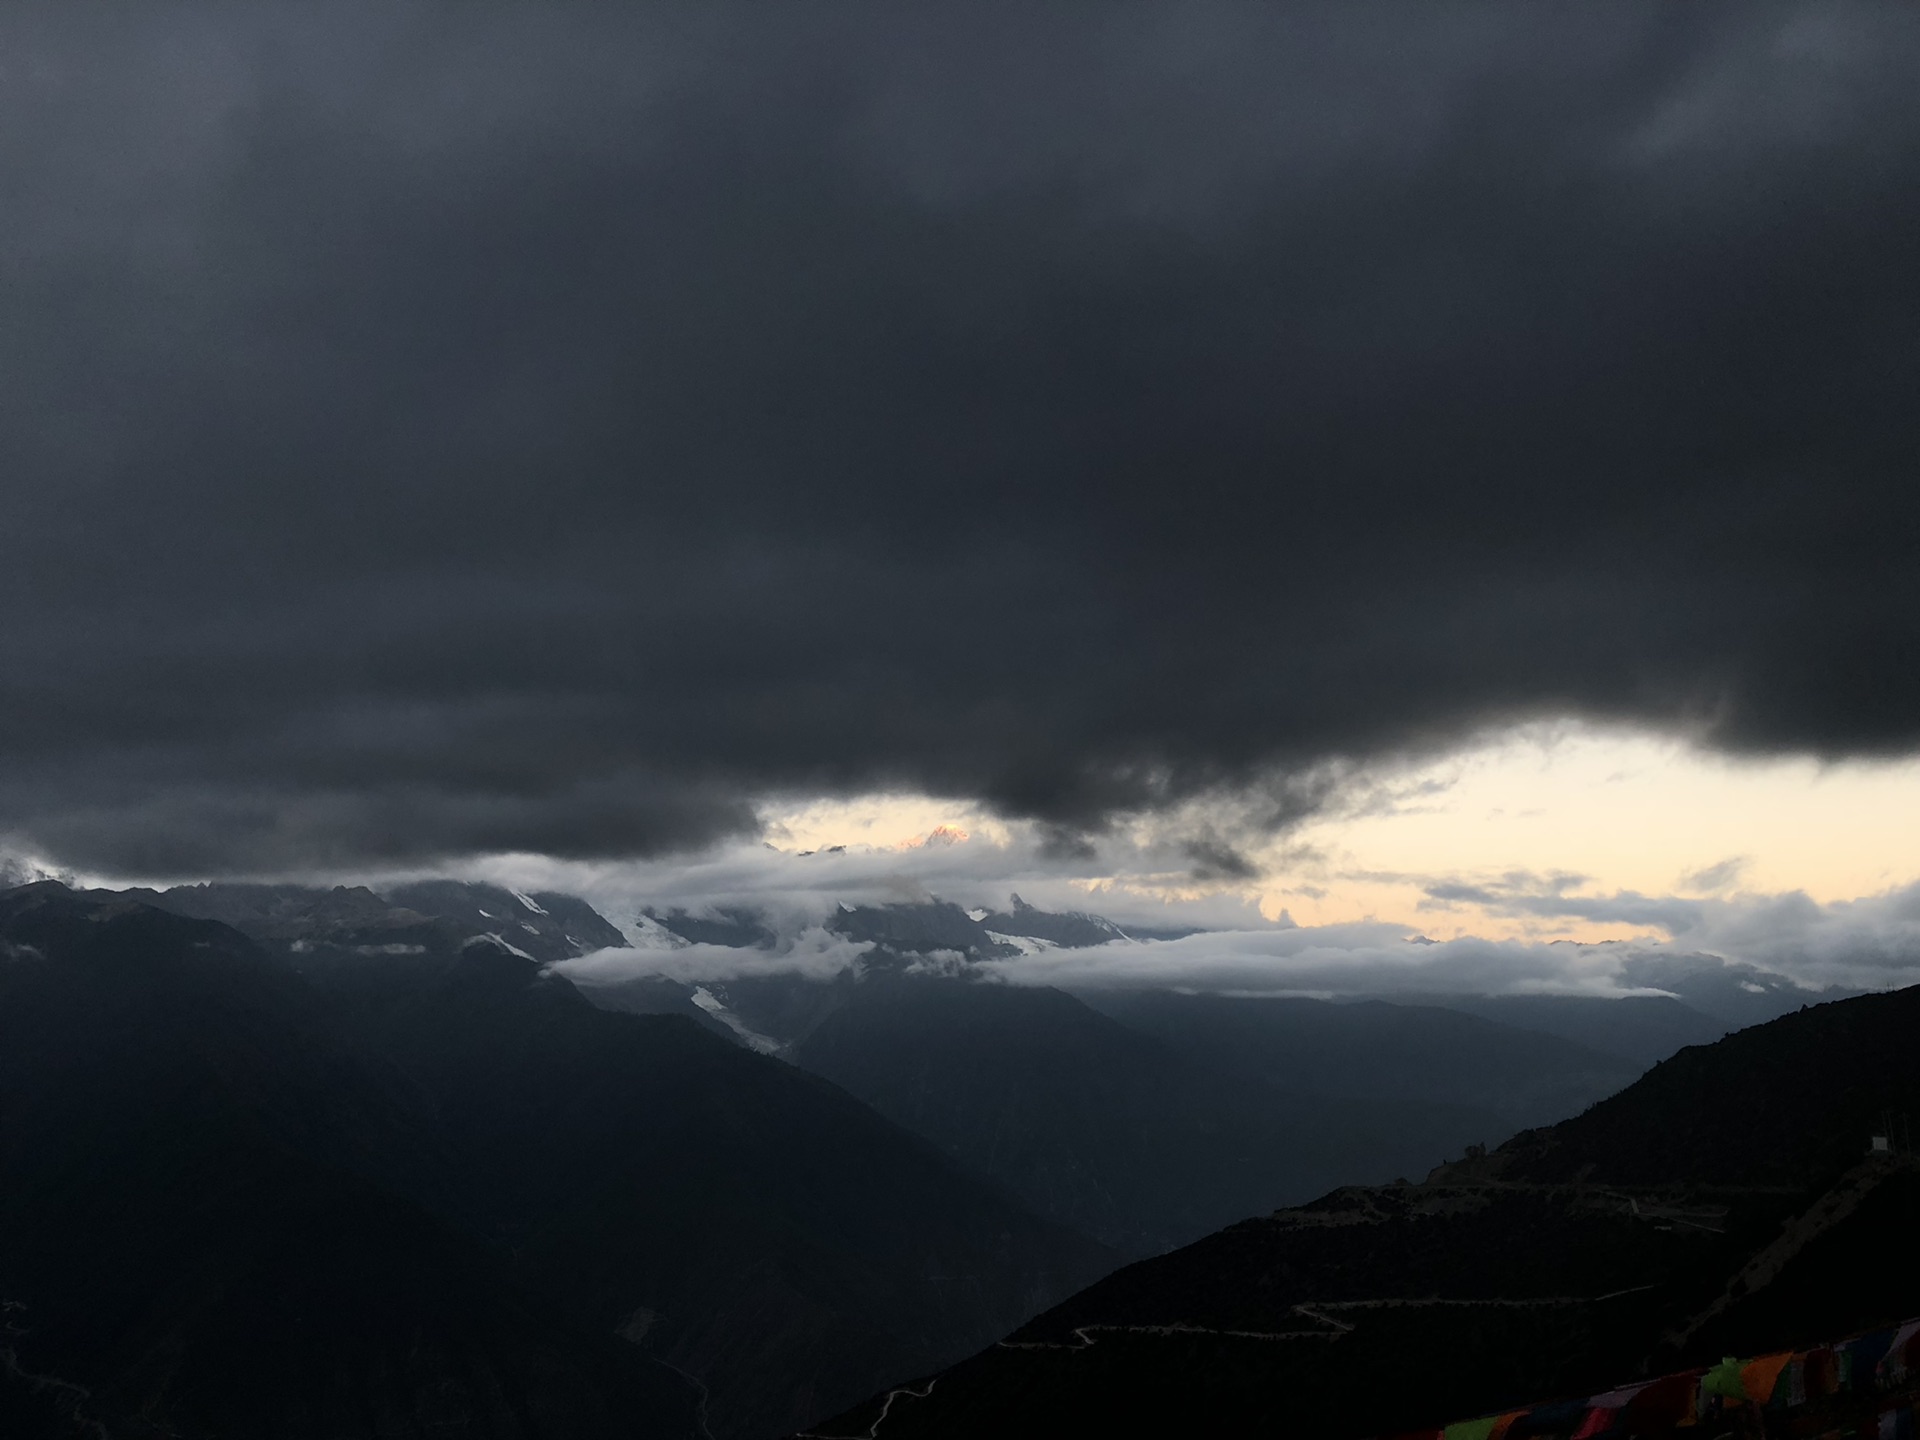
{"points": [[431, 433]]}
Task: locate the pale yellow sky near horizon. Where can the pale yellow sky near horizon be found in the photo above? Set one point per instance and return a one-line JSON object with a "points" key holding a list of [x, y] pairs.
{"points": [[1621, 811], [1626, 811]]}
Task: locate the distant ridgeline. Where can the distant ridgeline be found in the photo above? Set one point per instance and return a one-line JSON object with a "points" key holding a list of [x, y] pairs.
{"points": [[1866, 1386]]}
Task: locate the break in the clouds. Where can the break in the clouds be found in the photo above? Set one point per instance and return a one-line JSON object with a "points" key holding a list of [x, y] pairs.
{"points": [[433, 431]]}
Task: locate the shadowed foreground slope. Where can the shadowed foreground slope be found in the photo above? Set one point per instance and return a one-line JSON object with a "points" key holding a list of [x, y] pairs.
{"points": [[202, 1224]]}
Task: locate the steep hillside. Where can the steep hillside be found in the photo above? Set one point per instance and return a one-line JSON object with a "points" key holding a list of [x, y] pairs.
{"points": [[1071, 929], [203, 1230], [548, 925], [422, 1187], [1725, 1203], [1790, 1102], [744, 1220], [921, 928]]}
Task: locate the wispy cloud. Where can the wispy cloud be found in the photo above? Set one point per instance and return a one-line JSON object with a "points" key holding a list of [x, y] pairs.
{"points": [[1364, 959], [1724, 875]]}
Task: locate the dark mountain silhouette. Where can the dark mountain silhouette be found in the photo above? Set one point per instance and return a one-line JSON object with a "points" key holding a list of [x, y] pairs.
{"points": [[546, 927], [1162, 1118], [1640, 1030], [1727, 1202], [922, 928], [657, 995], [287, 913], [1371, 1050], [927, 926], [422, 1187], [1730, 991], [746, 1221], [1788, 1103], [734, 926], [1644, 1029], [1073, 929], [306, 921], [1108, 1129], [376, 1170], [203, 1230]]}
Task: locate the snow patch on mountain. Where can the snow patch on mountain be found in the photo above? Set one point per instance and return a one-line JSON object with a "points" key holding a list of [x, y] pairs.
{"points": [[717, 1008], [504, 944], [1025, 944]]}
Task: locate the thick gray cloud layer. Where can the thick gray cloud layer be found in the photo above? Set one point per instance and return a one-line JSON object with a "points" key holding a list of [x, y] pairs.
{"points": [[443, 429]]}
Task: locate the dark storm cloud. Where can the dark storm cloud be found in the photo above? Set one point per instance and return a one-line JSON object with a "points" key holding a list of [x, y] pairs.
{"points": [[439, 429]]}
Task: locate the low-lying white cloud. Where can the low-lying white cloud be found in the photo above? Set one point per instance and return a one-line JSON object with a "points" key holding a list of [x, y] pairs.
{"points": [[1365, 959], [814, 953], [1869, 943]]}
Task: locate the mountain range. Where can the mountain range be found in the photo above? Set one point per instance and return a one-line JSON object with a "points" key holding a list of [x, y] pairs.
{"points": [[283, 1160], [396, 1179]]}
